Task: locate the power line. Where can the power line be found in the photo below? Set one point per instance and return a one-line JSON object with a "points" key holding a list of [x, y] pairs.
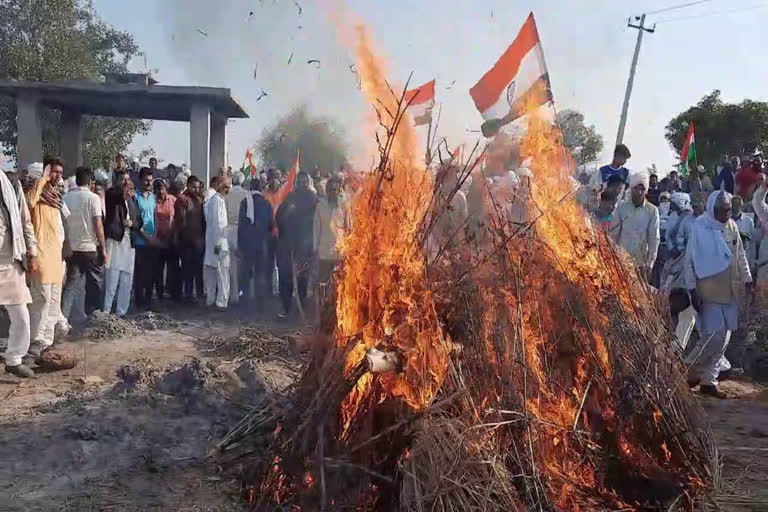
{"points": [[675, 7], [715, 13]]}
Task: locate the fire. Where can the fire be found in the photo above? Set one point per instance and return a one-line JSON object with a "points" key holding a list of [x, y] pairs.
{"points": [[551, 414], [381, 294]]}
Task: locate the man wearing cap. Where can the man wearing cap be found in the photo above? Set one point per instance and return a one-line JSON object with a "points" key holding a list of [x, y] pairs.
{"points": [[636, 224], [45, 208]]}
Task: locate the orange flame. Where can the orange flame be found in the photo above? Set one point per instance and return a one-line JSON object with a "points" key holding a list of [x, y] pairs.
{"points": [[382, 299]]}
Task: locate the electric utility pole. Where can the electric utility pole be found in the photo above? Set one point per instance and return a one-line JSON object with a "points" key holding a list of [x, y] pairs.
{"points": [[641, 29]]}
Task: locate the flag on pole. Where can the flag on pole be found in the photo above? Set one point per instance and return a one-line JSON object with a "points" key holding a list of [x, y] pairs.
{"points": [[420, 102], [688, 154], [517, 80], [249, 168]]}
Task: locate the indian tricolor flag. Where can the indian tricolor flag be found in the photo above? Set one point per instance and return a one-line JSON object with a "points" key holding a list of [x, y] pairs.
{"points": [[518, 80], [688, 154], [420, 102]]}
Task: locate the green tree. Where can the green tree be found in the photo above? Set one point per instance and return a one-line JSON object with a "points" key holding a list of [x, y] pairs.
{"points": [[321, 141], [53, 40], [732, 129], [583, 141]]}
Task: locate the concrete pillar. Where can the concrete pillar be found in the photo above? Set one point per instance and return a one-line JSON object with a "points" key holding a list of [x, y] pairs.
{"points": [[200, 142], [218, 157], [29, 144], [71, 140]]}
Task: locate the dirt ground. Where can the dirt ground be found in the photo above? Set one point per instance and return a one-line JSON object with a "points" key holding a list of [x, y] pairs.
{"points": [[67, 446], [111, 446]]}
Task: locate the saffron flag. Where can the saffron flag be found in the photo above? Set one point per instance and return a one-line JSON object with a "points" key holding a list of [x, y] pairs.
{"points": [[420, 102], [518, 80], [688, 154]]}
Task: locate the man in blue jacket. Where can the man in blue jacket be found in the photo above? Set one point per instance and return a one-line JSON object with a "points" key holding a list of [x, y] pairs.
{"points": [[255, 225]]}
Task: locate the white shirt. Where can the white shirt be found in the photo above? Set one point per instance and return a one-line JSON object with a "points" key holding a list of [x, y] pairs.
{"points": [[636, 229], [233, 201], [84, 206], [215, 232]]}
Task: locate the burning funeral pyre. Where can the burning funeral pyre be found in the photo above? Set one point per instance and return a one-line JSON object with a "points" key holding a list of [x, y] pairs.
{"points": [[490, 365]]}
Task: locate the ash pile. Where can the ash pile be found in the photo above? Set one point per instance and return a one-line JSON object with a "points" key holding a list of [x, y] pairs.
{"points": [[512, 362], [103, 326]]}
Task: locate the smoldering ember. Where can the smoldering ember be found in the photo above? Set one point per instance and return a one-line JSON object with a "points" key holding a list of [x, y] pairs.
{"points": [[404, 297]]}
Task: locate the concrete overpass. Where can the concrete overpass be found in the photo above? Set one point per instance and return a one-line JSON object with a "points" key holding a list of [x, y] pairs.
{"points": [[207, 109]]}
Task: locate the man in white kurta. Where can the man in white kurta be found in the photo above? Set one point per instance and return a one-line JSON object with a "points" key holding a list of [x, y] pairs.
{"points": [[18, 246], [232, 201], [216, 259], [636, 224], [715, 272]]}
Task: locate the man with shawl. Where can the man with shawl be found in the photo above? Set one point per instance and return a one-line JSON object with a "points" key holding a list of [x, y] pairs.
{"points": [[636, 224], [18, 248], [295, 221], [46, 209], [122, 227], [715, 270]]}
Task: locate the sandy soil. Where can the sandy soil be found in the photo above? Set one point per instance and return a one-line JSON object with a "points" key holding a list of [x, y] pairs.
{"points": [[70, 447]]}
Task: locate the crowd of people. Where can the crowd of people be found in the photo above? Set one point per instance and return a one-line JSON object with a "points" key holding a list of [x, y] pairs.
{"points": [[122, 237], [692, 238]]}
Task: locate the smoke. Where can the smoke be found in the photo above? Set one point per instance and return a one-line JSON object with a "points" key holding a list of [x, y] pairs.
{"points": [[246, 45]]}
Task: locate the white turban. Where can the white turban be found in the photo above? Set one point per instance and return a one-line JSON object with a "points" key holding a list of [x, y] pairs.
{"points": [[238, 178], [639, 177], [682, 200], [71, 183], [35, 170]]}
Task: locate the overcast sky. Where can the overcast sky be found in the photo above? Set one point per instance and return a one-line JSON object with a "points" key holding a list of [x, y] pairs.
{"points": [[587, 45]]}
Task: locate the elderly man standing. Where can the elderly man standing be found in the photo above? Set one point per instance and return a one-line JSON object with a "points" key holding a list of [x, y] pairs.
{"points": [[45, 205], [636, 224], [18, 247], [715, 271], [216, 261], [233, 201]]}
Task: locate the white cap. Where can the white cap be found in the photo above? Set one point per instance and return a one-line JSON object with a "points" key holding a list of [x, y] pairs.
{"points": [[35, 170]]}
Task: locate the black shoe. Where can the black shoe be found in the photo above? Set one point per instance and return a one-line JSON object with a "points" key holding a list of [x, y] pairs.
{"points": [[21, 371], [713, 391]]}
